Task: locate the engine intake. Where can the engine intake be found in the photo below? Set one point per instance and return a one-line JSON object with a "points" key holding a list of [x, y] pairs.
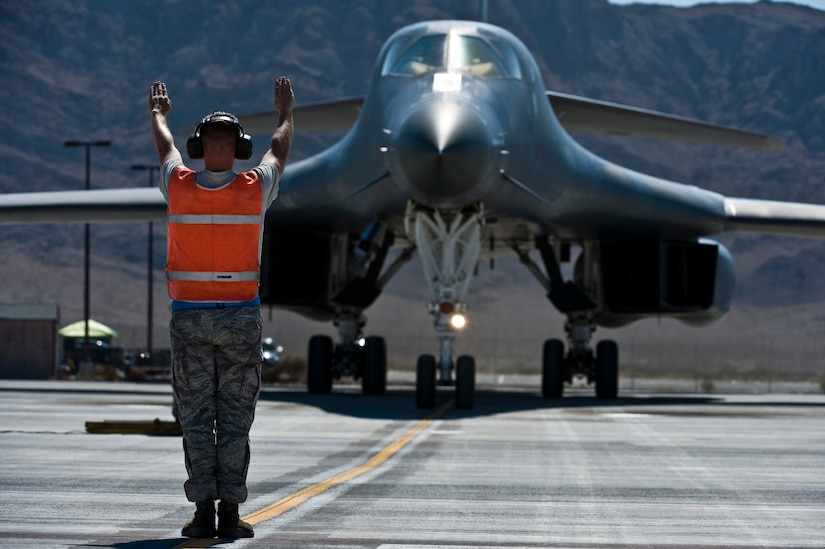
{"points": [[692, 281]]}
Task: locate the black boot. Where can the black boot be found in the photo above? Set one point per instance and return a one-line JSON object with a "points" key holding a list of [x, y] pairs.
{"points": [[230, 524], [203, 524]]}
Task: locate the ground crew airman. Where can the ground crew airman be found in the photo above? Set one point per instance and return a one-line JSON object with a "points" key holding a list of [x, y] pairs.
{"points": [[215, 227]]}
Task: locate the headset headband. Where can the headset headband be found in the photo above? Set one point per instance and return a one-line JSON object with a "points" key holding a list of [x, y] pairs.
{"points": [[220, 118]]}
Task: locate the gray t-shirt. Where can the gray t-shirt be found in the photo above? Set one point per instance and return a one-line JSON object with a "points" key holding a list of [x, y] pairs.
{"points": [[267, 174]]}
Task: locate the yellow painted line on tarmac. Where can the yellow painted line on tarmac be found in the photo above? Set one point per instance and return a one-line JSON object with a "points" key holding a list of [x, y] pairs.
{"points": [[302, 496]]}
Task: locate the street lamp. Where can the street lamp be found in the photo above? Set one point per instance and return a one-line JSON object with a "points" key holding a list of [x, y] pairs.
{"points": [[151, 169], [88, 145]]}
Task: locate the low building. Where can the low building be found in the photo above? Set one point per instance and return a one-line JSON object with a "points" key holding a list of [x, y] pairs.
{"points": [[28, 340]]}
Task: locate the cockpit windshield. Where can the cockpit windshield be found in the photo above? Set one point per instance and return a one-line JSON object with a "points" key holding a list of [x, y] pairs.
{"points": [[451, 53]]}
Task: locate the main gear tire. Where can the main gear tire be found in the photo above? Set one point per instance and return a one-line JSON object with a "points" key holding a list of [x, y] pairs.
{"points": [[374, 381], [319, 365], [607, 369], [552, 369]]}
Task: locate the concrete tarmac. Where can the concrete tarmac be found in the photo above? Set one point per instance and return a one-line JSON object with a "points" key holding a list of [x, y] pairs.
{"points": [[351, 471]]}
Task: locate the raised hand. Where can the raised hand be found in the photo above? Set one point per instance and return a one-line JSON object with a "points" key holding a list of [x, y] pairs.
{"points": [[159, 99], [284, 98]]}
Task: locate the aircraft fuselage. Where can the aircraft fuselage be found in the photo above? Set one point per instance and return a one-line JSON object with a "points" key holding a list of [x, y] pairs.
{"points": [[448, 136]]}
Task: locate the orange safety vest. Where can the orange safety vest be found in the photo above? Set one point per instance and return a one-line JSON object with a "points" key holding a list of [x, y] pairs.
{"points": [[214, 238]]}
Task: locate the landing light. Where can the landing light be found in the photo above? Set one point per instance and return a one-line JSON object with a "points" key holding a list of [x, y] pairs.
{"points": [[458, 321]]}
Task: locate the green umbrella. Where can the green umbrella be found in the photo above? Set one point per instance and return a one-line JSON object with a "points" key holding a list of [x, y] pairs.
{"points": [[96, 329]]}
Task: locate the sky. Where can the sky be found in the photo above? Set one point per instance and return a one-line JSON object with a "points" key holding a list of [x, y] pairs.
{"points": [[818, 4]]}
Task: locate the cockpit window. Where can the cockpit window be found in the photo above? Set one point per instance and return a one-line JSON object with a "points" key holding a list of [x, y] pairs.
{"points": [[451, 53], [424, 55]]}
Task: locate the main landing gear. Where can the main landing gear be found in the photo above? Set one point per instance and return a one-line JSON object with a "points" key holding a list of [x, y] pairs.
{"points": [[355, 356], [601, 368]]}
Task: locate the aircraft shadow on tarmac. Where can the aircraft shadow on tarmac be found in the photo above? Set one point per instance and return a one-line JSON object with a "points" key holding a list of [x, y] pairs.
{"points": [[400, 403]]}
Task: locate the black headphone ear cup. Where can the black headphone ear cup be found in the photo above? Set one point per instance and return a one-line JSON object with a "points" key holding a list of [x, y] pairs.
{"points": [[243, 148], [194, 146]]}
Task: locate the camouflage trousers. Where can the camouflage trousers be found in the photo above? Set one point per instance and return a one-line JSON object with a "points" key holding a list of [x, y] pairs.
{"points": [[216, 379]]}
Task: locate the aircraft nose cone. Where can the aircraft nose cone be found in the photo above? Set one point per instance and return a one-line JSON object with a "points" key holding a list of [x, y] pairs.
{"points": [[443, 150]]}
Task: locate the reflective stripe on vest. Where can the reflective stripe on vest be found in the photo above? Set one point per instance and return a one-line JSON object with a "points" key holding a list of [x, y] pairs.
{"points": [[214, 238], [214, 219], [210, 277]]}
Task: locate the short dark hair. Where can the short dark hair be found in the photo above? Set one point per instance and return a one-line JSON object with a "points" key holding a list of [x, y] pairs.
{"points": [[220, 131]]}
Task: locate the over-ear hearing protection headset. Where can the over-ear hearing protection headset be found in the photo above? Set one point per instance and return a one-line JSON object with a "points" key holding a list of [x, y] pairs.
{"points": [[243, 147]]}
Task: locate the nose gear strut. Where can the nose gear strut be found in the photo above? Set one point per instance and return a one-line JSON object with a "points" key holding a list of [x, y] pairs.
{"points": [[449, 244]]}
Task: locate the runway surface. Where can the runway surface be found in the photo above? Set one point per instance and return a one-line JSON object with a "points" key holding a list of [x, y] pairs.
{"points": [[351, 471]]}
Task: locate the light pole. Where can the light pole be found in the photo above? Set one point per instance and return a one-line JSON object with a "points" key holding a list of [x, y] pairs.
{"points": [[88, 145], [151, 169]]}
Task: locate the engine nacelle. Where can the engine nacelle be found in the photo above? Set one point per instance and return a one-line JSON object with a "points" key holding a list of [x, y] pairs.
{"points": [[296, 270], [315, 273], [692, 281]]}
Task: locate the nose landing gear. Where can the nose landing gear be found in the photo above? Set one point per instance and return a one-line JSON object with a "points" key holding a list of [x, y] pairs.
{"points": [[449, 243]]}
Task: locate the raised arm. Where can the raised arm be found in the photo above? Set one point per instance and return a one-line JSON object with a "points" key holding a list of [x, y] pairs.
{"points": [[160, 106], [282, 138]]}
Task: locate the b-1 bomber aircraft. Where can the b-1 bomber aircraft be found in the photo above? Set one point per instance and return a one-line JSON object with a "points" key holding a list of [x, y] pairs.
{"points": [[458, 153]]}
